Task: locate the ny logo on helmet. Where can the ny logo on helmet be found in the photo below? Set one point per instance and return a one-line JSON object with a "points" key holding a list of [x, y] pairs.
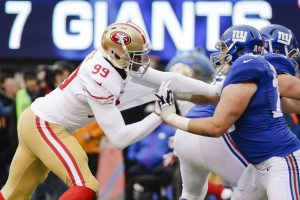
{"points": [[284, 38], [239, 36], [120, 37]]}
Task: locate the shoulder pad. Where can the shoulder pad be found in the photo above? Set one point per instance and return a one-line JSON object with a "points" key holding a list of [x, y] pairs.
{"points": [[104, 75], [281, 63]]}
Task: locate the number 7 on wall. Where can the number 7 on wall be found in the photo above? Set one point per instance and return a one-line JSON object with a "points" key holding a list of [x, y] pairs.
{"points": [[22, 9]]}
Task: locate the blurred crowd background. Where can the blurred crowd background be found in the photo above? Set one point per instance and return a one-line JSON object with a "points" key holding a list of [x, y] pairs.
{"points": [[34, 67]]}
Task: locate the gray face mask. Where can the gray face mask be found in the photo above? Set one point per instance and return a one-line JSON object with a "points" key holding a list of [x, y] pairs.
{"points": [[138, 63]]}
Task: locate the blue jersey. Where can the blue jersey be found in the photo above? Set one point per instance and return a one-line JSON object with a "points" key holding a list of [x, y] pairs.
{"points": [[281, 63], [201, 111], [261, 132]]}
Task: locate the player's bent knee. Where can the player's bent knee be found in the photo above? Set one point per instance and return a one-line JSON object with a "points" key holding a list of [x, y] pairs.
{"points": [[78, 193], [1, 196], [239, 195], [93, 184], [186, 196]]}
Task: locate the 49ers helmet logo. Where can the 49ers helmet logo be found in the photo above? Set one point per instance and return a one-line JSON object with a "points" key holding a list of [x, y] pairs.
{"points": [[119, 36]]}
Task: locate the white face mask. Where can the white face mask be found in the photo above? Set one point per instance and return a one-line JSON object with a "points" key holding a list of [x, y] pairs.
{"points": [[138, 62]]}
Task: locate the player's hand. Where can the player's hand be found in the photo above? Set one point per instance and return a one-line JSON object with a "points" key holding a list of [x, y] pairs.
{"points": [[156, 108], [164, 94], [226, 193], [219, 81], [165, 100], [169, 159]]}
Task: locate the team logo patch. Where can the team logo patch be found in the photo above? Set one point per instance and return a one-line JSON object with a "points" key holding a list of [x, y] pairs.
{"points": [[119, 37], [239, 36], [284, 38]]}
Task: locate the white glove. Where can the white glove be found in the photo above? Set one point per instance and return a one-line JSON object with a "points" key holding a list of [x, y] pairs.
{"points": [[165, 100], [156, 108], [218, 82], [226, 193], [169, 159], [171, 142]]}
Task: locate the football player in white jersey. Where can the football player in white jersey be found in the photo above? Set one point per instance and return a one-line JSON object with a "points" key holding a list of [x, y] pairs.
{"points": [[92, 91]]}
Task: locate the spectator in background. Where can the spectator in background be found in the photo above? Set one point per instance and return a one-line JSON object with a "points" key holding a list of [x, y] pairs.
{"points": [[8, 132], [27, 95], [11, 88], [50, 76], [61, 71], [147, 155]]}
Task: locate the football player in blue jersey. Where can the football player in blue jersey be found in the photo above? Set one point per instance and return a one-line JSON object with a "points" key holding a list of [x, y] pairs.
{"points": [[199, 155], [282, 52], [250, 100]]}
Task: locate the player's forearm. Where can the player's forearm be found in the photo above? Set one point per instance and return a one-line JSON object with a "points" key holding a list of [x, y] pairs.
{"points": [[292, 92], [179, 83], [201, 126], [206, 127], [182, 84], [131, 133], [198, 99], [290, 105], [289, 86], [201, 99]]}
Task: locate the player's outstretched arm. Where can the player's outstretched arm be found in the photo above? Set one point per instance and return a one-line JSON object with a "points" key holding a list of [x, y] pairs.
{"points": [[203, 99], [119, 134], [234, 100], [198, 99], [290, 105], [180, 84], [289, 86]]}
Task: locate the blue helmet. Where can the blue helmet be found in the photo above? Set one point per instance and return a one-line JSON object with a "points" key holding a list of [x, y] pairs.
{"points": [[236, 41], [279, 39], [197, 63]]}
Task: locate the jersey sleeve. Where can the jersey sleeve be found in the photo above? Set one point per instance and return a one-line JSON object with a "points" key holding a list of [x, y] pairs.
{"points": [[246, 69], [97, 85], [282, 64], [97, 93]]}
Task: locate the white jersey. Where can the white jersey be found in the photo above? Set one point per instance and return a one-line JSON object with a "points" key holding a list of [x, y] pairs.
{"points": [[67, 105]]}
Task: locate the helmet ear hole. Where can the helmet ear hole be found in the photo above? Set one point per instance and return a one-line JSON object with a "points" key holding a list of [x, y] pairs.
{"points": [[239, 51], [277, 51], [117, 56]]}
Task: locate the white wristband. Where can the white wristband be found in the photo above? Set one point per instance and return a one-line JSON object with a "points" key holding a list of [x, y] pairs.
{"points": [[177, 121]]}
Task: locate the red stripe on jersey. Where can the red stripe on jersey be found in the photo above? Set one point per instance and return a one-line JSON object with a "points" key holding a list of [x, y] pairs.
{"points": [[101, 98]]}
